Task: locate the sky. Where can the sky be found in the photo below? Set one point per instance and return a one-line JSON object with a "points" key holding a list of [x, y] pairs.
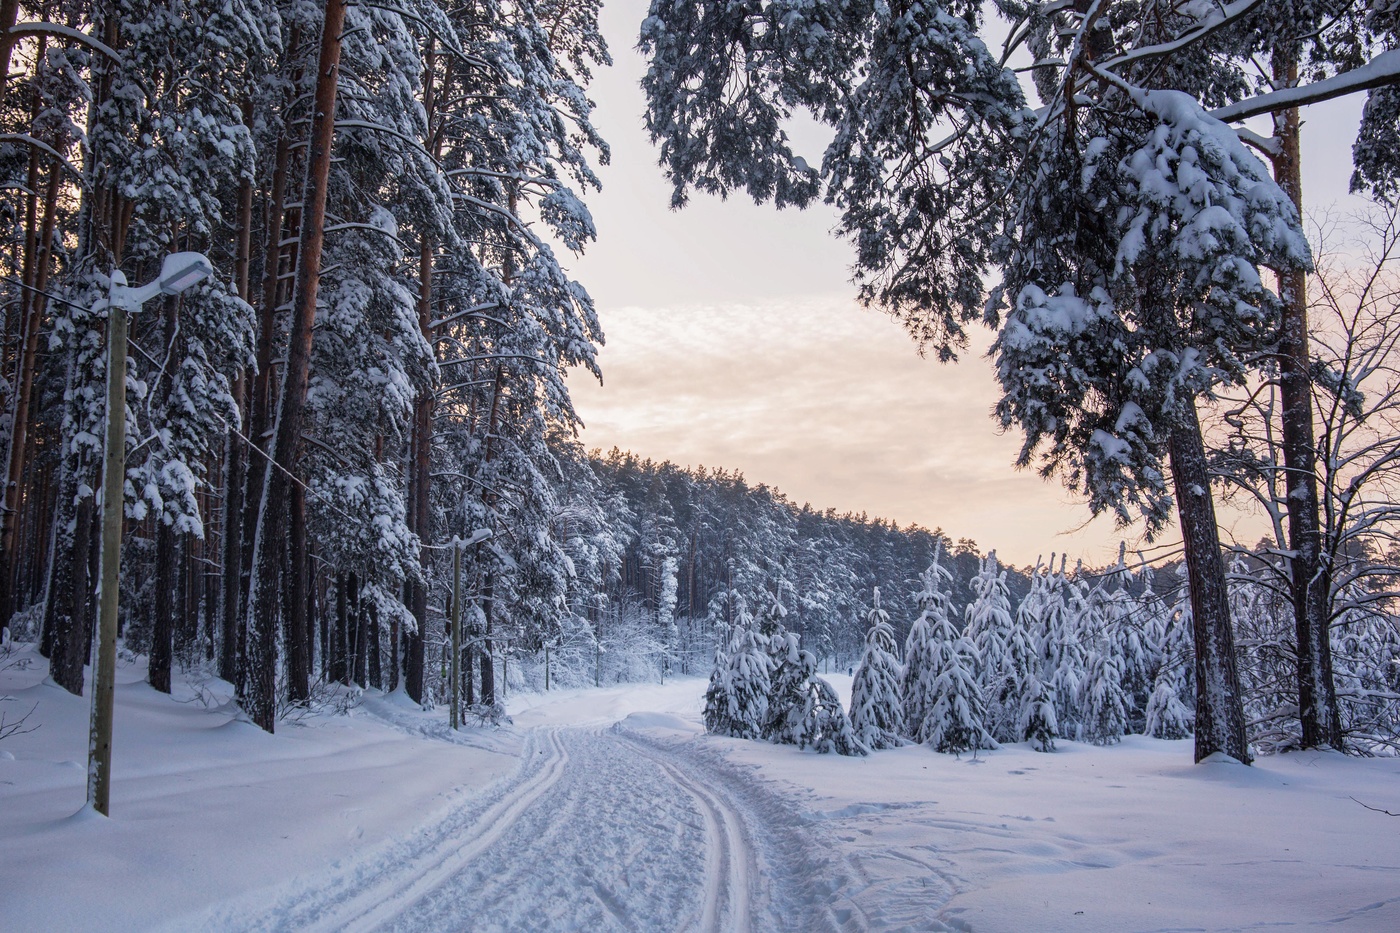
{"points": [[733, 338]]}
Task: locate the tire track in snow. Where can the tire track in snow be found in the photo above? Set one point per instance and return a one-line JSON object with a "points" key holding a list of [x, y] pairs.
{"points": [[729, 862], [598, 830], [443, 861], [369, 891], [616, 844], [793, 877]]}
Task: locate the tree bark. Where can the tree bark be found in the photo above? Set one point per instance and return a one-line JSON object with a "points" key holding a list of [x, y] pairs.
{"points": [[1219, 710], [339, 657], [272, 514], [294, 610], [1318, 712], [68, 607], [376, 663], [163, 621], [19, 436], [235, 455], [9, 15], [361, 640]]}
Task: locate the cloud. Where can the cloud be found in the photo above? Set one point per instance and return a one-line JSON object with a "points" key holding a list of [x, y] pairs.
{"points": [[830, 403]]}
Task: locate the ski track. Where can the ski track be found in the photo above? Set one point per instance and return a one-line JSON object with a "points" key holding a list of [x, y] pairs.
{"points": [[598, 830]]}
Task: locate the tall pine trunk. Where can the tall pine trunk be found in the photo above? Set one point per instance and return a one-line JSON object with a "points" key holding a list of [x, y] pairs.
{"points": [[294, 631], [163, 623], [273, 512], [1219, 707], [420, 507], [1318, 712], [20, 441]]}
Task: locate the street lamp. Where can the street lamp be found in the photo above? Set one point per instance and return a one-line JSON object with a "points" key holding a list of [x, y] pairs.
{"points": [[177, 273]]}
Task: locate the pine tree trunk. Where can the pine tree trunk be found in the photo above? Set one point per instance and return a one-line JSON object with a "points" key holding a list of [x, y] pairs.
{"points": [[1219, 709], [162, 624], [27, 322], [488, 663], [323, 619], [361, 640], [294, 629], [1318, 711], [272, 515], [20, 440], [311, 611], [260, 393], [421, 505], [376, 663], [235, 475], [9, 15], [69, 589], [340, 637]]}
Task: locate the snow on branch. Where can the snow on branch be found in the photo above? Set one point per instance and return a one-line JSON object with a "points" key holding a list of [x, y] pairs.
{"points": [[1382, 70], [42, 147], [1221, 17], [381, 128], [66, 32]]}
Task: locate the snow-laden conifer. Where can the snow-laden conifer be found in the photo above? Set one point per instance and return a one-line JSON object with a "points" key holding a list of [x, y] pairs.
{"points": [[877, 715], [1062, 608], [803, 709], [831, 726], [1103, 707], [955, 719], [736, 703], [1036, 720], [1169, 714], [920, 651], [1004, 653]]}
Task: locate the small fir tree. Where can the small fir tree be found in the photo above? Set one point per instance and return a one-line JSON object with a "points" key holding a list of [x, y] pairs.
{"points": [[737, 701], [955, 721], [1103, 706], [877, 715], [921, 664]]}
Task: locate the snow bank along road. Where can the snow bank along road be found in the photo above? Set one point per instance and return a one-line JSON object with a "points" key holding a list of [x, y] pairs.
{"points": [[599, 829]]}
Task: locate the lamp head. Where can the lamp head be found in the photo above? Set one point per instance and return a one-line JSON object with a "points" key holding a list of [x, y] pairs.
{"points": [[182, 270]]}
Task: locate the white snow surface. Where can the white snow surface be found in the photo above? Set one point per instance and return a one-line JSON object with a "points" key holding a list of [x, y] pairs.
{"points": [[609, 809]]}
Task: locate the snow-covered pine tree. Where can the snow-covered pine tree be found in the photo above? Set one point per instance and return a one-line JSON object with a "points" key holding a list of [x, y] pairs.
{"points": [[1169, 714], [921, 650], [831, 726], [1102, 702], [716, 713], [736, 703], [1004, 652], [790, 699], [1266, 637], [507, 320], [955, 721], [1035, 696], [1124, 636], [877, 712], [166, 145], [1063, 606]]}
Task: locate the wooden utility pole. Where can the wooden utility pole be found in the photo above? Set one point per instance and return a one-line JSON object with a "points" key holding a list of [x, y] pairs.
{"points": [[99, 788]]}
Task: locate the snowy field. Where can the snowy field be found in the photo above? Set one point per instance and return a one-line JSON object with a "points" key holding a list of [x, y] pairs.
{"points": [[608, 809]]}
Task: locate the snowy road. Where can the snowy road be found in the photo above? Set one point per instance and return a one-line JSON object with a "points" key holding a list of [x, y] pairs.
{"points": [[599, 829]]}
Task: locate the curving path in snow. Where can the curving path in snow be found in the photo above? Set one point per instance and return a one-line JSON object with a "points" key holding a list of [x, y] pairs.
{"points": [[599, 829]]}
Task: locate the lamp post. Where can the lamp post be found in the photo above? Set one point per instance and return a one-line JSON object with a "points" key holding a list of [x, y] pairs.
{"points": [[178, 272]]}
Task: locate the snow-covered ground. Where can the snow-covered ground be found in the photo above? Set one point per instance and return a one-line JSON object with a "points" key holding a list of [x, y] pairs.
{"points": [[608, 809]]}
